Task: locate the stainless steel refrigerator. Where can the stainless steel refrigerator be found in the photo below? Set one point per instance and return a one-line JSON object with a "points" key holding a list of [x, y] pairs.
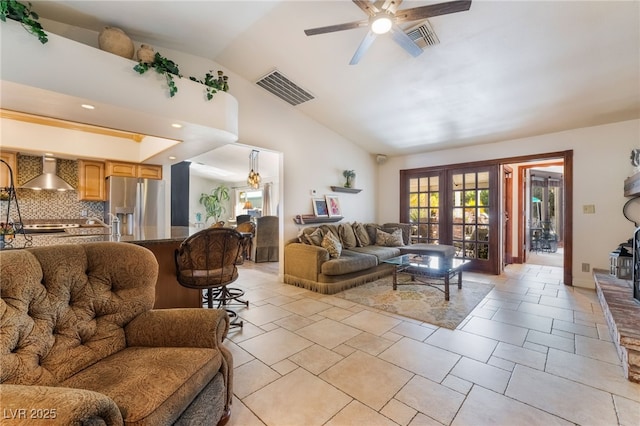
{"points": [[139, 205]]}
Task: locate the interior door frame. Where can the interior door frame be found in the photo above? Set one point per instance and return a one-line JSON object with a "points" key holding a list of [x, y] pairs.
{"points": [[507, 200], [522, 205], [565, 156]]}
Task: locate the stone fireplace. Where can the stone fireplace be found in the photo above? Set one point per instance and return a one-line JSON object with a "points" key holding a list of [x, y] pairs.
{"points": [[622, 313]]}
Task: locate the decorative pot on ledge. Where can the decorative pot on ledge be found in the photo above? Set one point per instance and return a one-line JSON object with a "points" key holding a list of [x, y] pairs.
{"points": [[146, 54], [116, 41]]}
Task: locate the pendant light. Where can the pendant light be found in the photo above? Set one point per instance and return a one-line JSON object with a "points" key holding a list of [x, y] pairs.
{"points": [[253, 180]]}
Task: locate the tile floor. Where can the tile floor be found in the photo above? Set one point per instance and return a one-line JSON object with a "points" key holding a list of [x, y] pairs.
{"points": [[533, 352]]}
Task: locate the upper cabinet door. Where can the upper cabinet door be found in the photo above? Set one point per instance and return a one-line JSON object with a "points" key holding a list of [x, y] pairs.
{"points": [[149, 171], [121, 169], [10, 158], [146, 171], [91, 177]]}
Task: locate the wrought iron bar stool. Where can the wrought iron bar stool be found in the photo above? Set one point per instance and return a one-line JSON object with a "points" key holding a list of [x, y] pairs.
{"points": [[207, 261]]}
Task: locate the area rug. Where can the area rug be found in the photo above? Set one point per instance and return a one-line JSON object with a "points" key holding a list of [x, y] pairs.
{"points": [[420, 302]]}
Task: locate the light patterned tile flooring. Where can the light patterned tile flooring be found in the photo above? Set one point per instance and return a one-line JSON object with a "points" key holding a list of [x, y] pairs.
{"points": [[533, 352]]}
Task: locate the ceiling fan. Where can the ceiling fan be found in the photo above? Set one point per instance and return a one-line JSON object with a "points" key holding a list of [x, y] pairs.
{"points": [[384, 17]]}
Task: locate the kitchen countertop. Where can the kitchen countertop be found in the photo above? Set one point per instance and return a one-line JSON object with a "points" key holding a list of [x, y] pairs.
{"points": [[95, 233]]}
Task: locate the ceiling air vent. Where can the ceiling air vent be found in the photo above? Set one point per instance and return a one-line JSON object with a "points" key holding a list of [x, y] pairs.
{"points": [[284, 88], [423, 35]]}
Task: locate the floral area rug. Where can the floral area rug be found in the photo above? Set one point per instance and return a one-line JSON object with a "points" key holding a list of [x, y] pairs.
{"points": [[419, 301]]}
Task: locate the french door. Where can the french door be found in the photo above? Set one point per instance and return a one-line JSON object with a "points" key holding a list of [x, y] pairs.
{"points": [[458, 207]]}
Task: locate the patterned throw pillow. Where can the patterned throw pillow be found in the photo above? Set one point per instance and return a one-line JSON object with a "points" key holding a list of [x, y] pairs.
{"points": [[315, 238], [386, 239], [332, 244], [362, 237]]}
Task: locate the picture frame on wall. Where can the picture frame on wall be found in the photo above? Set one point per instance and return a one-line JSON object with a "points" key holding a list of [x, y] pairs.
{"points": [[333, 205], [320, 207]]}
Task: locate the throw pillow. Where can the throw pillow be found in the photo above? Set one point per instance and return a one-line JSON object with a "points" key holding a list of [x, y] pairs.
{"points": [[372, 229], [315, 238], [332, 244], [347, 236], [386, 239], [362, 237]]}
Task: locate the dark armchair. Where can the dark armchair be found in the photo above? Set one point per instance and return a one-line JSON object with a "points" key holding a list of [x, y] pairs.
{"points": [[266, 240]]}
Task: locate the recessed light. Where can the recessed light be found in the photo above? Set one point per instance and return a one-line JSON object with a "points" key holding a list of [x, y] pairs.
{"points": [[48, 154], [87, 106], [177, 125], [172, 157]]}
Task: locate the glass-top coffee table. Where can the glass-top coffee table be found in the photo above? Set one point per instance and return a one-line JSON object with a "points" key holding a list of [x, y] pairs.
{"points": [[421, 268]]}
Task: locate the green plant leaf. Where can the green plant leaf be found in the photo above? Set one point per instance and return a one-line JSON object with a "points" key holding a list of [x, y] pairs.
{"points": [[16, 11], [213, 202]]}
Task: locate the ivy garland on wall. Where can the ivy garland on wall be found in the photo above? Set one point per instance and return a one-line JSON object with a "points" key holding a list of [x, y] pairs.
{"points": [[17, 11], [169, 69]]}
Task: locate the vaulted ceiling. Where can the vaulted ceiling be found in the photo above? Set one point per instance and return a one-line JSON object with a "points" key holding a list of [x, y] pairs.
{"points": [[502, 70]]}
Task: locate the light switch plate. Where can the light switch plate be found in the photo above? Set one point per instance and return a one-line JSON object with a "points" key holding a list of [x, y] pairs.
{"points": [[589, 209]]}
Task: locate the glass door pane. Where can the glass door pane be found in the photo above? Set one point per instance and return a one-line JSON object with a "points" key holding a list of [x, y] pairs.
{"points": [[424, 209], [470, 214]]}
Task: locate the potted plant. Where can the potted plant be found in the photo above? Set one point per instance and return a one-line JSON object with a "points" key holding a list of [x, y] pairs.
{"points": [[213, 202], [163, 66], [17, 11], [350, 176], [213, 84]]}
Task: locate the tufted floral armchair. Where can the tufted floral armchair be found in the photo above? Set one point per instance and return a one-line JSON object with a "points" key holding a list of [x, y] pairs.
{"points": [[80, 344]]}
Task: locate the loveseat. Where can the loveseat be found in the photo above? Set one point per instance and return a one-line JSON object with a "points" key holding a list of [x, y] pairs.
{"points": [[363, 247], [81, 344]]}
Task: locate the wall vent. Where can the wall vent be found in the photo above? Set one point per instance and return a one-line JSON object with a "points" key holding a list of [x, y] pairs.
{"points": [[285, 89], [423, 35]]}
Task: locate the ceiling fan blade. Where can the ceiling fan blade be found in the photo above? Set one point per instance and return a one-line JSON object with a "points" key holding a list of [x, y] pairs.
{"points": [[364, 45], [390, 5], [368, 8], [337, 27], [403, 40], [425, 12]]}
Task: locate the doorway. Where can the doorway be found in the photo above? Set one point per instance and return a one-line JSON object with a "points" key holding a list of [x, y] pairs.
{"points": [[542, 203], [457, 206], [427, 199]]}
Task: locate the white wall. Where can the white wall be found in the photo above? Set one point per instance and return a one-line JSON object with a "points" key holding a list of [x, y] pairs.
{"points": [[601, 164]]}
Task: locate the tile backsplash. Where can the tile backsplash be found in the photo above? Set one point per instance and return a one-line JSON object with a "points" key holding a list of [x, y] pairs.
{"points": [[48, 204]]}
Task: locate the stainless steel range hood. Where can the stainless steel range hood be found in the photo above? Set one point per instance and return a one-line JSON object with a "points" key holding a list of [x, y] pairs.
{"points": [[48, 179]]}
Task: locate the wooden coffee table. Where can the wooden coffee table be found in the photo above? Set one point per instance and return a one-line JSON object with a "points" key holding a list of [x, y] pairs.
{"points": [[421, 268]]}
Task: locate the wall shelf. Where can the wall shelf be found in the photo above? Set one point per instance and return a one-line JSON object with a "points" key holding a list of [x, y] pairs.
{"points": [[343, 189], [308, 219]]}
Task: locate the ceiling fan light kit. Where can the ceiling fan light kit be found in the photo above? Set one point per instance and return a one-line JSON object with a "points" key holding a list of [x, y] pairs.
{"points": [[381, 23], [384, 17]]}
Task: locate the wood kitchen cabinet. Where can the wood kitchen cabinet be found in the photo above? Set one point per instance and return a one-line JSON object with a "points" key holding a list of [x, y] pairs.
{"points": [[11, 159], [91, 176], [147, 171]]}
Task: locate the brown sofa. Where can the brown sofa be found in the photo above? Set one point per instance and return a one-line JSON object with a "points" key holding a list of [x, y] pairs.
{"points": [[310, 265], [80, 343]]}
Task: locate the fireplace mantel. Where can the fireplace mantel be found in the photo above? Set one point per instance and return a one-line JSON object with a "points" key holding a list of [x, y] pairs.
{"points": [[632, 185]]}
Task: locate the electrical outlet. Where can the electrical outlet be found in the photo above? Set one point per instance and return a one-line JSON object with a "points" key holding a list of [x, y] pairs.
{"points": [[589, 209], [586, 267], [83, 213]]}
